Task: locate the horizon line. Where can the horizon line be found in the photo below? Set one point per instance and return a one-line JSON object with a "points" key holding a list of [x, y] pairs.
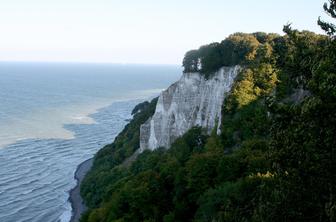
{"points": [[88, 62]]}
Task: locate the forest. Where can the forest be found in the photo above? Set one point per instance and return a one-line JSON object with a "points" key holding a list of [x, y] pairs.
{"points": [[274, 159]]}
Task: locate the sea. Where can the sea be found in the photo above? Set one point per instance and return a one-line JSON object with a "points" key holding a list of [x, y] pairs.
{"points": [[53, 116]]}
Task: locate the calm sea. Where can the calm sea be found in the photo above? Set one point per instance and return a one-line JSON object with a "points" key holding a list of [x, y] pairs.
{"points": [[53, 116]]}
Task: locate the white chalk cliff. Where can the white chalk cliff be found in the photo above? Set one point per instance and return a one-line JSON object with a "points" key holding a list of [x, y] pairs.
{"points": [[191, 101]]}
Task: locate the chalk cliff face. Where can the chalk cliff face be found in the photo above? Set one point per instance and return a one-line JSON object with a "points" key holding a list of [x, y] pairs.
{"points": [[191, 101]]}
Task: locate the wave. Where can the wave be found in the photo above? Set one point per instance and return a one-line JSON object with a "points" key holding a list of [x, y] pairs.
{"points": [[39, 172], [44, 133]]}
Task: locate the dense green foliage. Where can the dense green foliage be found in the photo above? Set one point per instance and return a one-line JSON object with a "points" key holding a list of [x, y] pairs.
{"points": [[167, 185], [274, 159], [96, 182], [237, 49]]}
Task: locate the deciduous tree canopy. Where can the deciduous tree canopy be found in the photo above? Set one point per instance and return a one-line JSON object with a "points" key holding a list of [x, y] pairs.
{"points": [[274, 159]]}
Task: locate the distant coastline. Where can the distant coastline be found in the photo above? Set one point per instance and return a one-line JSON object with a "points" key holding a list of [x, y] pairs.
{"points": [[77, 204]]}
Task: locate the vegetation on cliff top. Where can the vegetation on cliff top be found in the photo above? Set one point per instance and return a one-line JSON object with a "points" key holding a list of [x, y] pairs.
{"points": [[273, 161], [239, 48]]}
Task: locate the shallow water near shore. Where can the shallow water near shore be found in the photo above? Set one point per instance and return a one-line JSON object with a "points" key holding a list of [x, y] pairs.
{"points": [[46, 142], [77, 203], [40, 172]]}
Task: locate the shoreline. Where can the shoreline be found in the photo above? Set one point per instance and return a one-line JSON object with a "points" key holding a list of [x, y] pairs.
{"points": [[77, 204]]}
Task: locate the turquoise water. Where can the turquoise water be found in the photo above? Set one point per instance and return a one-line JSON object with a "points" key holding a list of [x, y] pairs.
{"points": [[53, 116]]}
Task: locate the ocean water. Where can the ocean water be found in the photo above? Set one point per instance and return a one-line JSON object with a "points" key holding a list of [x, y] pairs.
{"points": [[53, 116]]}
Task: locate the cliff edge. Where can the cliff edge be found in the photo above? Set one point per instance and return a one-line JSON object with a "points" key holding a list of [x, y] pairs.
{"points": [[191, 101]]}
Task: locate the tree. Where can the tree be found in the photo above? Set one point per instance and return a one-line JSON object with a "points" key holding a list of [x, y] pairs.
{"points": [[191, 61], [328, 27]]}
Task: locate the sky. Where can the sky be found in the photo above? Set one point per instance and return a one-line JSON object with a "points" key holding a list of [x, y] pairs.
{"points": [[134, 31]]}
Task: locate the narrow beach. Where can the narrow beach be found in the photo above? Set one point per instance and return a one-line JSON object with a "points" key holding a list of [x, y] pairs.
{"points": [[76, 200]]}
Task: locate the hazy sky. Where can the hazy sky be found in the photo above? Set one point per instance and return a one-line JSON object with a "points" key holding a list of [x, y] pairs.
{"points": [[142, 31]]}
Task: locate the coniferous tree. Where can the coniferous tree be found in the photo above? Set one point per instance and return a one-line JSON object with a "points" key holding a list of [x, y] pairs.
{"points": [[328, 27]]}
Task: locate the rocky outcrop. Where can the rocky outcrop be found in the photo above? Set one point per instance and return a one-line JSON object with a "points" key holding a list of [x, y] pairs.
{"points": [[191, 101]]}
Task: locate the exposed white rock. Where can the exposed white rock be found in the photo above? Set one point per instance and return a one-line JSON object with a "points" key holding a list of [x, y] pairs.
{"points": [[191, 101]]}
